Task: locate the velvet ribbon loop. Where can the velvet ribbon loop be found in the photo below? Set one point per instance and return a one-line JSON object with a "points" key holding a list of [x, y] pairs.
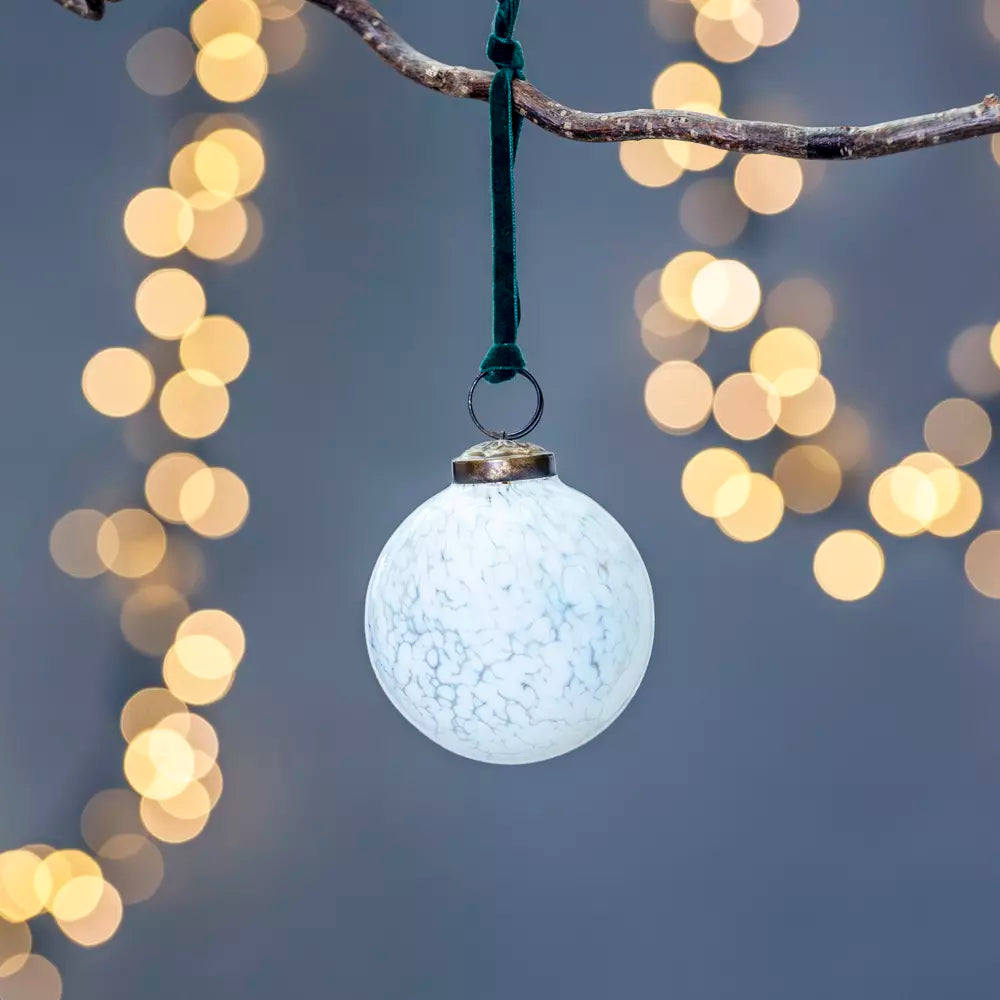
{"points": [[504, 359]]}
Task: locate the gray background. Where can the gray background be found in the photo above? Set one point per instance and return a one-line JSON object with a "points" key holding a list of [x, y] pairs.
{"points": [[803, 800]]}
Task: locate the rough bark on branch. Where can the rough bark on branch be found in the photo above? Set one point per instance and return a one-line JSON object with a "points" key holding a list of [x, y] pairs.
{"points": [[836, 142]]}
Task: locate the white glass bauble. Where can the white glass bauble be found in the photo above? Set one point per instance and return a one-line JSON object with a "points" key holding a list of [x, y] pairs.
{"points": [[510, 617]]}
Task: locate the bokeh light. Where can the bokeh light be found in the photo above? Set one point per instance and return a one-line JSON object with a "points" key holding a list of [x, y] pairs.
{"points": [[214, 502], [959, 429], [158, 222], [788, 358], [219, 231], [971, 365], [284, 41], [803, 302], [746, 406], [716, 482], [725, 295], [36, 979], [247, 153], [679, 397], [982, 564], [161, 62], [73, 543], [165, 480], [711, 213], [118, 381], [732, 40], [218, 345], [808, 412], [849, 565], [131, 543], [150, 616], [809, 478], [220, 625], [683, 84], [99, 923], [169, 302], [759, 515], [646, 162], [768, 184], [780, 17], [194, 403], [15, 947], [217, 18], [231, 67], [677, 280]]}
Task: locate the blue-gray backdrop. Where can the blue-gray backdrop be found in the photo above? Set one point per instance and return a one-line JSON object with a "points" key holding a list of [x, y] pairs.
{"points": [[804, 799]]}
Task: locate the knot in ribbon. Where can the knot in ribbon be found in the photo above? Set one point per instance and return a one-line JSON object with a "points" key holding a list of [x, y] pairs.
{"points": [[504, 359]]}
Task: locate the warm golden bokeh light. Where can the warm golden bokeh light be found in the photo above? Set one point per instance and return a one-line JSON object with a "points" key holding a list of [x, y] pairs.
{"points": [[169, 302], [68, 884], [809, 478], [963, 513], [219, 625], [164, 481], [131, 543], [248, 154], [746, 406], [995, 344], [216, 169], [73, 543], [159, 763], [185, 181], [646, 162], [19, 896], [146, 709], [170, 829], [970, 362], [711, 213], [218, 231], [161, 62], [759, 515], [959, 429], [780, 17], [725, 295], [231, 68], [808, 412], [768, 184], [158, 222], [883, 504], [99, 924], [686, 83], [118, 381], [716, 482], [788, 358], [218, 345], [215, 18], [150, 616], [982, 564], [194, 403], [679, 397], [677, 279], [109, 814], [214, 502], [803, 302], [730, 41], [849, 565]]}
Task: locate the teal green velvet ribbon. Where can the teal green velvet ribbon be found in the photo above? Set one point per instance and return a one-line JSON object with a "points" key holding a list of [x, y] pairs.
{"points": [[504, 359]]}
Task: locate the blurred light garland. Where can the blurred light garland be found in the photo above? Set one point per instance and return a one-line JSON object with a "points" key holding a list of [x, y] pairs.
{"points": [[171, 756], [695, 294]]}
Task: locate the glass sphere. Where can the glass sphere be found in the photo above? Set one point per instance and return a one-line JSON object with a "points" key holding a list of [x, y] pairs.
{"points": [[510, 622]]}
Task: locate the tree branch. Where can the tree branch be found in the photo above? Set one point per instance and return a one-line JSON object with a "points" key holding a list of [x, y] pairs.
{"points": [[837, 142]]}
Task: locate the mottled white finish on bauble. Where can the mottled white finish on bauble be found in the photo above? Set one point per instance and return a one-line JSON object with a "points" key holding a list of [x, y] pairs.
{"points": [[510, 622]]}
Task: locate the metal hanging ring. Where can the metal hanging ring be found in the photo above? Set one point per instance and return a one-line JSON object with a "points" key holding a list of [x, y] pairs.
{"points": [[503, 435]]}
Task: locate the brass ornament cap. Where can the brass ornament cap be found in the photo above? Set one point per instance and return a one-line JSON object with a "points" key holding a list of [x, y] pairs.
{"points": [[502, 461]]}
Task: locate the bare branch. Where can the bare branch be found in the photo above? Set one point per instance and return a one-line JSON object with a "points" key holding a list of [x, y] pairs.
{"points": [[836, 142]]}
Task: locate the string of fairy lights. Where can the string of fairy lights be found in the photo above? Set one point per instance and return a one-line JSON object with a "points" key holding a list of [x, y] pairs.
{"points": [[182, 372], [783, 390]]}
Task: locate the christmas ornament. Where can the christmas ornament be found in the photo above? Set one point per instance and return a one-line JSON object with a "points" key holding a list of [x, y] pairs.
{"points": [[510, 617]]}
